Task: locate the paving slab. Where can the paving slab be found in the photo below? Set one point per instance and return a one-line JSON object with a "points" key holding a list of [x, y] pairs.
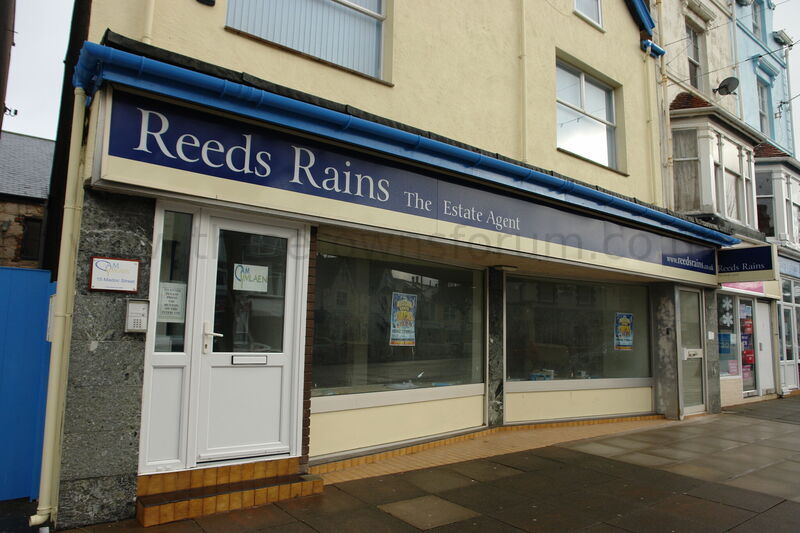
{"points": [[428, 512]]}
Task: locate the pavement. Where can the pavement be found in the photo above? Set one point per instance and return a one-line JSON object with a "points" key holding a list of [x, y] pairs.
{"points": [[736, 471]]}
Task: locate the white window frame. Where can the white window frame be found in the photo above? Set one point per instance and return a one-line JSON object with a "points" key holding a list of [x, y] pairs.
{"points": [[381, 17], [764, 107], [694, 55], [587, 16], [613, 159]]}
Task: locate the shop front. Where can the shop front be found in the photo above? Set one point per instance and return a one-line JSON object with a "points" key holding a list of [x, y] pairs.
{"points": [[319, 286], [790, 323]]}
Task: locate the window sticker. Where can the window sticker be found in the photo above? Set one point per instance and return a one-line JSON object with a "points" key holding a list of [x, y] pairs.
{"points": [[251, 278], [623, 331], [403, 319]]}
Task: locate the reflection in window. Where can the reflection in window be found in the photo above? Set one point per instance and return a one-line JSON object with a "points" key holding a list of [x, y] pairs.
{"points": [[349, 34], [176, 241], [564, 330], [250, 294], [383, 322], [590, 9], [585, 116]]}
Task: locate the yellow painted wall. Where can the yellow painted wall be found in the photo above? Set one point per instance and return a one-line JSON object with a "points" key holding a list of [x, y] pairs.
{"points": [[457, 70], [556, 405], [341, 431]]}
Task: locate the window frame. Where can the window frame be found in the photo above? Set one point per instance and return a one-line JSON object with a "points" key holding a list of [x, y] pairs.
{"points": [[694, 55], [679, 159], [757, 22], [588, 17], [611, 127], [26, 236], [380, 74], [764, 106]]}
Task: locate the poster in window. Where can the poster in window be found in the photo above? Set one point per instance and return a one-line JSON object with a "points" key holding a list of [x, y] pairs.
{"points": [[623, 331], [403, 319], [172, 302]]}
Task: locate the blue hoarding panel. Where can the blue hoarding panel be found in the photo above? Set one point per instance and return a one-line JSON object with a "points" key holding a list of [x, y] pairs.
{"points": [[24, 365]]}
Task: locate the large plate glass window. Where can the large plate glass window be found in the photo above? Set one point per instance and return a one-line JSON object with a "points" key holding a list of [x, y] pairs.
{"points": [[585, 116], [558, 330], [348, 33], [384, 322]]}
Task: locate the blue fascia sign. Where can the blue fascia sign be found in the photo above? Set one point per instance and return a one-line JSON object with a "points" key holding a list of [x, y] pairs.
{"points": [[169, 135], [756, 263]]}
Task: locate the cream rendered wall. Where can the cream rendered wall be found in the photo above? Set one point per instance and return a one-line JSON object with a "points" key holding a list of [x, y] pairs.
{"points": [[559, 405], [457, 70], [341, 431]]}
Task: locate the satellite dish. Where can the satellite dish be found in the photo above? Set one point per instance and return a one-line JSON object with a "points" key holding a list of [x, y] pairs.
{"points": [[727, 86]]}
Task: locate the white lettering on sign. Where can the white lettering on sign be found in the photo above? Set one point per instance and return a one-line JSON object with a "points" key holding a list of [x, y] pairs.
{"points": [[251, 278]]}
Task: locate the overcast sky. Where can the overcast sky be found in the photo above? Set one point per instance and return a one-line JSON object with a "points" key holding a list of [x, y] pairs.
{"points": [[42, 26]]}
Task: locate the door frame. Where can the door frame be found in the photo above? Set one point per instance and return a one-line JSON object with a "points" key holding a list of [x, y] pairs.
{"points": [[201, 253], [679, 341]]}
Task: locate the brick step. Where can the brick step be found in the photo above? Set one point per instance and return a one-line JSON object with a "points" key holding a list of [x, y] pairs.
{"points": [[168, 507]]}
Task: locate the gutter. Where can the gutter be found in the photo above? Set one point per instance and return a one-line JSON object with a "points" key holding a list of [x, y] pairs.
{"points": [[98, 64]]}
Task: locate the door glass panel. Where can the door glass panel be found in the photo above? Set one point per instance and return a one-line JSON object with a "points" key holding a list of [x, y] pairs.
{"points": [[788, 335], [748, 348], [250, 293], [691, 338], [690, 319], [176, 242]]}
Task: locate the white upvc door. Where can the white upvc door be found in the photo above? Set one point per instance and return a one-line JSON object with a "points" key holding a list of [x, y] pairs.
{"points": [[764, 356], [226, 350], [691, 360], [246, 346]]}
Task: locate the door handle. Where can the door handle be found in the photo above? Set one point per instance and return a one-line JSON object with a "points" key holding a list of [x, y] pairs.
{"points": [[208, 334]]}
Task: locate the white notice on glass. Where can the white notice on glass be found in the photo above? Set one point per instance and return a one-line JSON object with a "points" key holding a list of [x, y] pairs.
{"points": [[172, 302], [251, 278]]}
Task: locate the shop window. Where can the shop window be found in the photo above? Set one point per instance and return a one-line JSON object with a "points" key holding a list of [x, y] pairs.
{"points": [[764, 108], [765, 207], [686, 168], [31, 245], [404, 324], [585, 116], [345, 33], [559, 330], [176, 241], [591, 9]]}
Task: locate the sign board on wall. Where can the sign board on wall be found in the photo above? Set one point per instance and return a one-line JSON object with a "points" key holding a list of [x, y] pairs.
{"points": [[198, 144], [114, 274], [756, 263]]}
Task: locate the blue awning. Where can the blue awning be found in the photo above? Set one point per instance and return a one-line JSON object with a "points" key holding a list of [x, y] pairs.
{"points": [[99, 64]]}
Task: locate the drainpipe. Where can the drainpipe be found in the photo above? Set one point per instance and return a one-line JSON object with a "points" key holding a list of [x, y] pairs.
{"points": [[668, 186], [149, 15], [62, 320], [523, 73]]}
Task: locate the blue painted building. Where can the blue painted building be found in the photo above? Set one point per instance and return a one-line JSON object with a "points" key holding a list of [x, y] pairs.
{"points": [[764, 90]]}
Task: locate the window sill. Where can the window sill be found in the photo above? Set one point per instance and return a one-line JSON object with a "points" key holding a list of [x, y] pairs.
{"points": [[586, 159], [309, 57], [589, 21], [347, 402], [577, 384]]}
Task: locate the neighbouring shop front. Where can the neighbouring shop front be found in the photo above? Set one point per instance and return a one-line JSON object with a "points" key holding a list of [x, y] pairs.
{"points": [[311, 286]]}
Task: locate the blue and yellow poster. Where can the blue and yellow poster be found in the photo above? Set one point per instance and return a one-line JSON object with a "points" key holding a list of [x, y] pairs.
{"points": [[404, 313], [623, 331]]}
